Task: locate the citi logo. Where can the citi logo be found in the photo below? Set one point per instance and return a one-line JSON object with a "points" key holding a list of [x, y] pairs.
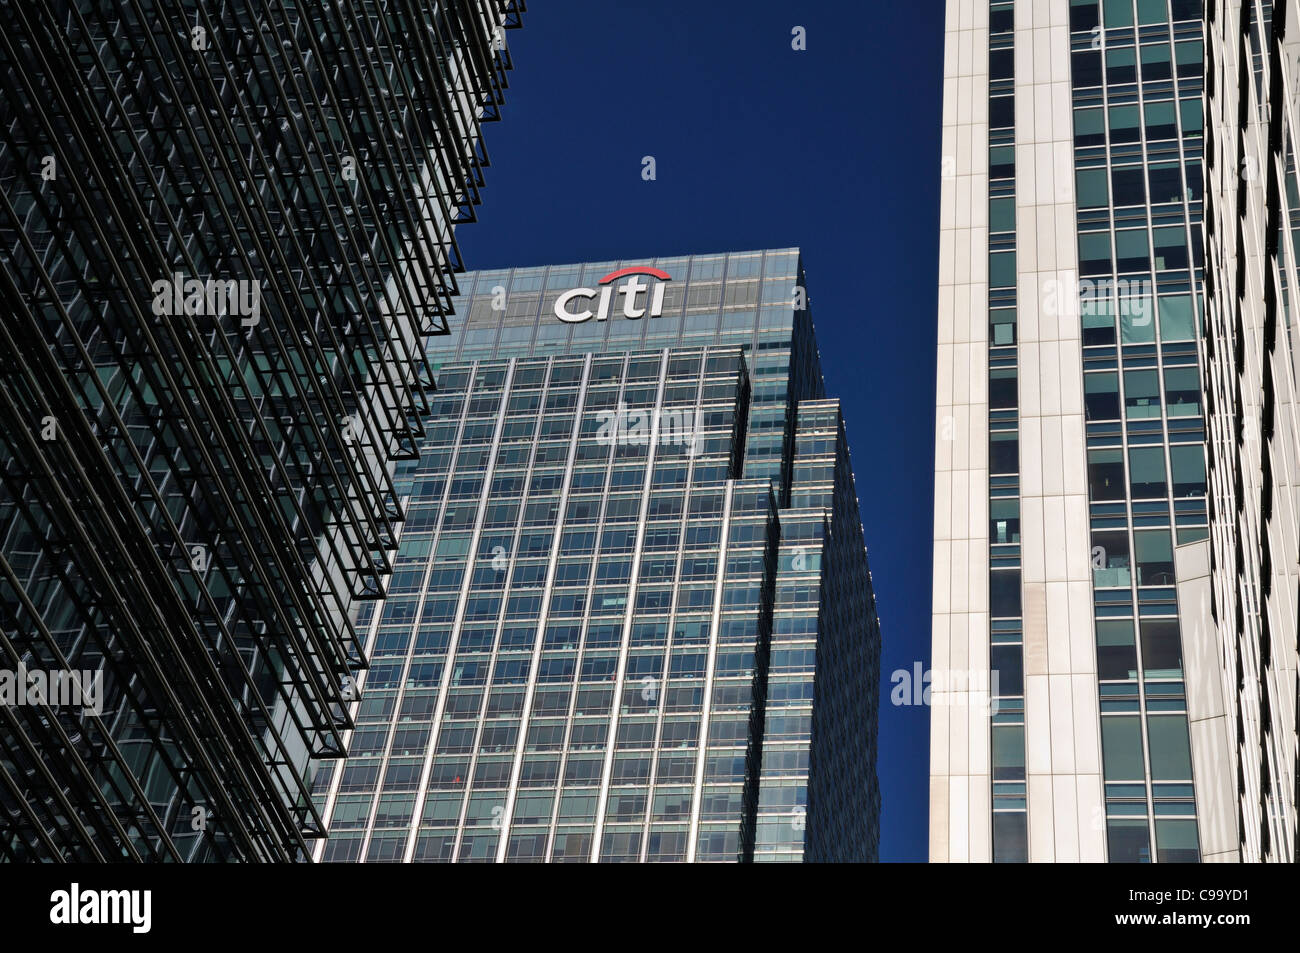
{"points": [[76, 906], [630, 290]]}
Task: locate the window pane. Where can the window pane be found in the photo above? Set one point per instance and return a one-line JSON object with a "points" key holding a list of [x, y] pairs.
{"points": [[1116, 652], [1121, 745], [1117, 13], [1006, 666], [1147, 472], [1176, 320], [1156, 61], [1092, 188], [1008, 752], [1129, 840], [1002, 215], [1166, 182], [1004, 593], [1171, 757], [1188, 462], [1170, 248], [1141, 394], [1176, 842], [1101, 396], [1110, 558], [1124, 124], [1010, 837], [1162, 655], [1002, 270], [1131, 250], [1155, 557], [1106, 474], [1160, 120]]}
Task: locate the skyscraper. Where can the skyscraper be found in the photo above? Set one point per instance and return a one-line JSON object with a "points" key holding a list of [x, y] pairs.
{"points": [[631, 617], [1076, 718], [1247, 581], [226, 231]]}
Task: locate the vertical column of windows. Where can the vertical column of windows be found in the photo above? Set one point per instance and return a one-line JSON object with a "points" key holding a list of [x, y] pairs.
{"points": [[1136, 78], [1006, 625]]}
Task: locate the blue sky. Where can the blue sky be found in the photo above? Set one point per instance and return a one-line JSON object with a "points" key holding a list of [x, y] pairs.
{"points": [[835, 149]]}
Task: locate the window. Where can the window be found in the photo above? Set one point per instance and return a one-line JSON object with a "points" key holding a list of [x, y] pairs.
{"points": [[1151, 11], [1170, 248], [1002, 270], [1007, 668], [1085, 68], [1188, 59], [1002, 162], [1110, 559], [1002, 215], [1131, 250], [1116, 651], [1008, 753], [1162, 654], [1088, 129], [1098, 321], [1121, 746], [1091, 187], [1141, 394], [1176, 841], [1155, 557], [1004, 593], [1106, 474], [1171, 755], [1010, 837], [1004, 452], [1094, 253], [1124, 124], [1121, 65], [1001, 64], [1128, 840], [1178, 323], [1160, 121], [1128, 185], [1004, 521], [1156, 62], [1002, 112], [1002, 389], [1188, 464], [1147, 472], [1165, 180], [1117, 13], [1002, 327], [1101, 396]]}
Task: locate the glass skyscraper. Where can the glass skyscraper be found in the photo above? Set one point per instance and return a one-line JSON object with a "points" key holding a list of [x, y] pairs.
{"points": [[226, 231], [631, 617], [1080, 717]]}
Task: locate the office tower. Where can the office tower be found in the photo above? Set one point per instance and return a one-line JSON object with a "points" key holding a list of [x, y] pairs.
{"points": [[631, 617], [1073, 717], [227, 229], [1248, 569]]}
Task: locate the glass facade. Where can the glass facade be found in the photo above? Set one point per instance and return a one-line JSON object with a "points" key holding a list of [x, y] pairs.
{"points": [[631, 617], [1136, 71], [226, 230]]}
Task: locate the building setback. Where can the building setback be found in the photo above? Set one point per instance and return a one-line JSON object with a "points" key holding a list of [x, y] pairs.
{"points": [[631, 617], [1075, 718], [226, 231], [1245, 591]]}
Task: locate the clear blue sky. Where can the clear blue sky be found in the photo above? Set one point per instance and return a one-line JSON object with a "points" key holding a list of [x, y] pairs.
{"points": [[835, 149]]}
